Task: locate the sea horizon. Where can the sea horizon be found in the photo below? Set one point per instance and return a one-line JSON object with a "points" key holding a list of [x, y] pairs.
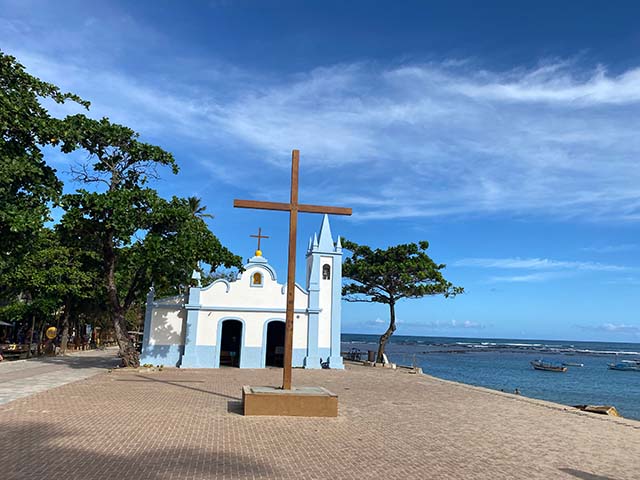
{"points": [[532, 339]]}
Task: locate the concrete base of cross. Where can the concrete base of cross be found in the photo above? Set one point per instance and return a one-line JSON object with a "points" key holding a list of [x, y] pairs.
{"points": [[297, 402]]}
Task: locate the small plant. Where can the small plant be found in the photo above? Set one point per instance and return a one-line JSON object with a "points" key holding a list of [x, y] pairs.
{"points": [[147, 365]]}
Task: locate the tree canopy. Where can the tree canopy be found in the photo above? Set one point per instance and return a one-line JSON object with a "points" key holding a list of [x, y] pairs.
{"points": [[142, 238], [389, 275], [27, 184], [117, 235]]}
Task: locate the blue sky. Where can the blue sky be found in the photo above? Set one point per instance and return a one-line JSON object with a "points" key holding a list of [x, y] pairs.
{"points": [[506, 135]]}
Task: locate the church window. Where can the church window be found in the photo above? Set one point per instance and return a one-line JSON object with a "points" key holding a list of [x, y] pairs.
{"points": [[256, 279], [326, 272]]}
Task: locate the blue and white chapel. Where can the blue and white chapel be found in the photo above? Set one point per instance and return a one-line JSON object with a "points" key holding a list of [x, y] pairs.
{"points": [[241, 323]]}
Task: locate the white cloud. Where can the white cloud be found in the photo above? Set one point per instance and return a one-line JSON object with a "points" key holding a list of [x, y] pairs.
{"points": [[612, 328], [452, 324], [624, 247], [544, 269], [526, 278], [537, 264], [408, 141]]}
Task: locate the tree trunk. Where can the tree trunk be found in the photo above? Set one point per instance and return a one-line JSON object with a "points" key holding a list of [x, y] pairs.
{"points": [[128, 353], [41, 337], [33, 325], [64, 338], [386, 335]]}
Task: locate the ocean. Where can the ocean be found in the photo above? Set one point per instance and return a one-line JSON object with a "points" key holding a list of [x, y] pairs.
{"points": [[503, 364]]}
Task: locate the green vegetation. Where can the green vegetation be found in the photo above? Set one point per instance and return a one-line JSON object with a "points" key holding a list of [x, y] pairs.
{"points": [[387, 276], [117, 235]]}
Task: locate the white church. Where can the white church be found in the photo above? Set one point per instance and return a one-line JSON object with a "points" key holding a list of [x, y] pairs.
{"points": [[241, 323]]}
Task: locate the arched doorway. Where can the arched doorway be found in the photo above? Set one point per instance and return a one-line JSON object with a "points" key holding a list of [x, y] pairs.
{"points": [[230, 343], [274, 356]]}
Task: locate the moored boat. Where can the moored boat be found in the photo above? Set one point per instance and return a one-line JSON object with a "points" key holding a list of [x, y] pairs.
{"points": [[548, 366], [625, 365]]}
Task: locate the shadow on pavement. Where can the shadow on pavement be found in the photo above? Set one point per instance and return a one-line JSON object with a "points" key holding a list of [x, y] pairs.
{"points": [[45, 450], [177, 383], [584, 475]]}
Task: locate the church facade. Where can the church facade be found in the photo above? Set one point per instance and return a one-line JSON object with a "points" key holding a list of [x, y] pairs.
{"points": [[240, 323]]}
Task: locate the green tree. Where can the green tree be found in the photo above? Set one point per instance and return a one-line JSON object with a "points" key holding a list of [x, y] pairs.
{"points": [[142, 238], [197, 209], [387, 276], [27, 184], [50, 279]]}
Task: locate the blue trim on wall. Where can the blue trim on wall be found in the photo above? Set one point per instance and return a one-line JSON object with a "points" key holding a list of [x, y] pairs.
{"points": [[167, 355], [200, 356], [251, 357], [335, 361], [190, 356], [297, 359], [148, 313], [312, 359], [257, 309], [324, 353], [220, 280]]}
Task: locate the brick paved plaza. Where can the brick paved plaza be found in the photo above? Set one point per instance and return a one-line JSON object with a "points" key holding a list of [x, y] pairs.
{"points": [[185, 424]]}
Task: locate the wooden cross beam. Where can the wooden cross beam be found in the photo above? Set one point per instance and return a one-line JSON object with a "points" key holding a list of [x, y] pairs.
{"points": [[293, 207], [259, 236]]}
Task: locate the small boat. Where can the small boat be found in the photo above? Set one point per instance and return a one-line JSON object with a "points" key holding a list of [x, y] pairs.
{"points": [[547, 366], [627, 366], [601, 409], [572, 364]]}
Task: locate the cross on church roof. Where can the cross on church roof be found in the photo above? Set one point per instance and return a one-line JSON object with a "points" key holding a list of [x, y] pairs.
{"points": [[259, 236]]}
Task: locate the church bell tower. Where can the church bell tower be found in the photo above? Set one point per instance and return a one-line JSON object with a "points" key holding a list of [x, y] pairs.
{"points": [[324, 283]]}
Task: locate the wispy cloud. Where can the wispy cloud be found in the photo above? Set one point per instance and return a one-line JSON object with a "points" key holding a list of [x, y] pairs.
{"points": [[612, 328], [526, 278], [624, 247], [624, 281], [535, 269], [403, 141], [555, 83], [537, 264], [444, 325], [455, 324]]}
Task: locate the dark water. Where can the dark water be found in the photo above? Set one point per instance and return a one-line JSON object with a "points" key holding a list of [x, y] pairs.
{"points": [[503, 364]]}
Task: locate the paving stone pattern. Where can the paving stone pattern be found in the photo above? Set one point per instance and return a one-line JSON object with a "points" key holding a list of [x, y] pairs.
{"points": [[22, 378], [186, 424]]}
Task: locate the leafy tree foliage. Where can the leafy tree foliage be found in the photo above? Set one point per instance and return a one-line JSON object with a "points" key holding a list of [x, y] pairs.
{"points": [[387, 276], [141, 237], [27, 183], [117, 236], [49, 278]]}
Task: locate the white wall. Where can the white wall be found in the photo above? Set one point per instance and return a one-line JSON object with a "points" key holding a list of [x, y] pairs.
{"points": [[166, 325]]}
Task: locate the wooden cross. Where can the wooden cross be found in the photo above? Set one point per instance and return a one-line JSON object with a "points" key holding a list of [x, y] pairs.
{"points": [[293, 207], [259, 236]]}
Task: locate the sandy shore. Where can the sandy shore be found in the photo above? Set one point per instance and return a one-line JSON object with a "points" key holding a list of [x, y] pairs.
{"points": [[186, 424]]}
